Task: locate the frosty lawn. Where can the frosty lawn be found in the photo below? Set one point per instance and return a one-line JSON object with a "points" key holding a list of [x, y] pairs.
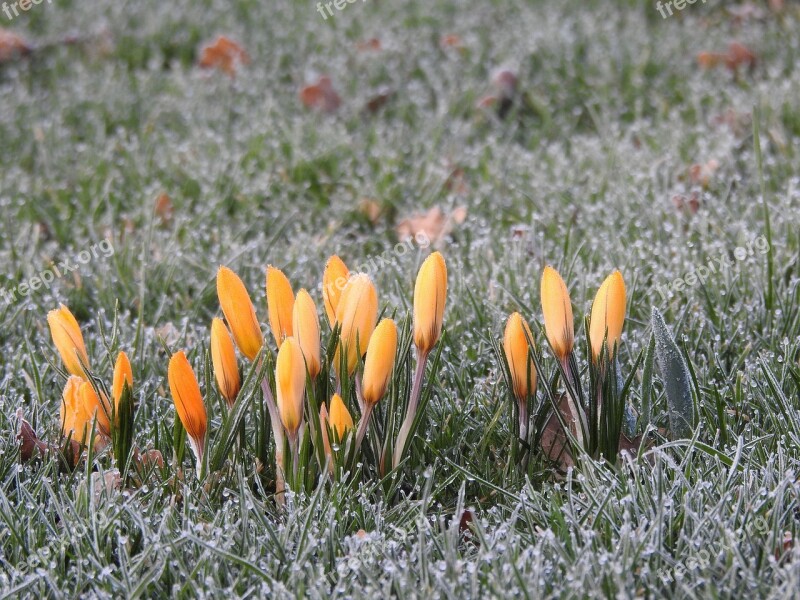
{"points": [[590, 136]]}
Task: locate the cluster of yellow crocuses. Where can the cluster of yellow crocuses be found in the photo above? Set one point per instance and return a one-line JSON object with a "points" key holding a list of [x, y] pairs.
{"points": [[605, 331], [81, 403], [365, 353]]}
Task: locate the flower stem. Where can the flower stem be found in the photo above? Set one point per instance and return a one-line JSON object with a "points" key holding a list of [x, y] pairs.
{"points": [[278, 435], [413, 402], [363, 424]]}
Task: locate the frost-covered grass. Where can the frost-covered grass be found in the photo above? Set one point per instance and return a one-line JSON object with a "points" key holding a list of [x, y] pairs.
{"points": [[90, 134]]}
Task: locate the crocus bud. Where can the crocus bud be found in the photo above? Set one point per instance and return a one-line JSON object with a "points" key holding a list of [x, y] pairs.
{"points": [[515, 345], [290, 381], [280, 304], [67, 337], [430, 293], [380, 361], [356, 313], [122, 374], [608, 314], [223, 357], [239, 312], [557, 310], [95, 407], [188, 402], [339, 418], [74, 417], [333, 281], [305, 324]]}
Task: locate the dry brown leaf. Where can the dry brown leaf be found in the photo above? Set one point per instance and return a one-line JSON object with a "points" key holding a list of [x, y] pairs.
{"points": [[29, 443], [164, 209], [320, 95], [459, 215], [104, 486], [379, 100], [776, 5], [456, 181], [149, 459], [554, 440], [737, 122], [505, 82], [30, 446], [370, 45], [223, 54], [788, 541], [433, 225], [739, 55], [12, 45], [487, 102], [451, 40], [371, 209], [629, 445], [169, 333], [709, 60], [689, 204], [703, 173]]}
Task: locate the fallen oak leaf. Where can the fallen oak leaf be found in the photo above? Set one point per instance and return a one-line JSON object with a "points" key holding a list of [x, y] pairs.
{"points": [[320, 95], [379, 100], [739, 55], [371, 209], [223, 54], [12, 45], [30, 446], [29, 442], [702, 173], [451, 40], [456, 181], [554, 442], [370, 45], [432, 225], [690, 204], [164, 209], [709, 60]]}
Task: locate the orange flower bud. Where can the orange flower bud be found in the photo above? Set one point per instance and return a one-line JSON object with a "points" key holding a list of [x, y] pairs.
{"points": [[67, 337], [223, 357], [188, 402], [280, 304], [340, 420], [515, 345], [239, 312], [557, 310], [333, 281], [380, 361], [94, 405], [305, 324], [608, 314], [356, 313], [74, 417], [122, 373], [430, 293], [290, 381]]}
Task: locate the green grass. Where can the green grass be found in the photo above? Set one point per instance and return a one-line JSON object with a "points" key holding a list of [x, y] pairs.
{"points": [[90, 135]]}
